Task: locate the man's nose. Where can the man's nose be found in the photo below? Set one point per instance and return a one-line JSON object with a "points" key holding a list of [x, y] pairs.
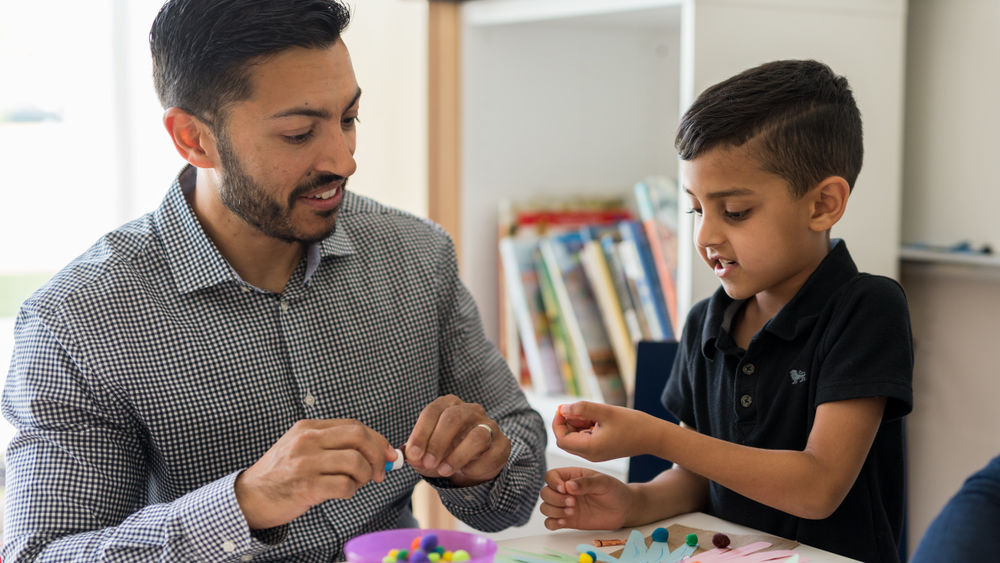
{"points": [[338, 154]]}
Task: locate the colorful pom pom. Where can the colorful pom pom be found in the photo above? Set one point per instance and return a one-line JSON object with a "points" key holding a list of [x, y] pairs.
{"points": [[691, 539], [720, 541], [660, 535]]}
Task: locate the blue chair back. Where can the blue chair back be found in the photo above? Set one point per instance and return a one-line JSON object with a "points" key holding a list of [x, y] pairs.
{"points": [[653, 363]]}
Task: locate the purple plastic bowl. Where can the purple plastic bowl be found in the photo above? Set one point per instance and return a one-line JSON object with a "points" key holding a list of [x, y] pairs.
{"points": [[371, 548]]}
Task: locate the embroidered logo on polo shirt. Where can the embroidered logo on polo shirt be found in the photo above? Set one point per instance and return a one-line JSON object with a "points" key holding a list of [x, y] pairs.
{"points": [[798, 376]]}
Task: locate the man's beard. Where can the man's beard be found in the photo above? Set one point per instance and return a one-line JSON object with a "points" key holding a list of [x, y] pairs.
{"points": [[245, 197]]}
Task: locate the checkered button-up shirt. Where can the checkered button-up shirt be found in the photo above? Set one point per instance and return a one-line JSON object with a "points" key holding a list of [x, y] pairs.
{"points": [[146, 375]]}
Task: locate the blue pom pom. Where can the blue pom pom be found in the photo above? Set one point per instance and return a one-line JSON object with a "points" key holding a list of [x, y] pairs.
{"points": [[661, 535]]}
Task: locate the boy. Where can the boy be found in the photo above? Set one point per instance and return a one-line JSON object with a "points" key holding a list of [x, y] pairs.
{"points": [[792, 379]]}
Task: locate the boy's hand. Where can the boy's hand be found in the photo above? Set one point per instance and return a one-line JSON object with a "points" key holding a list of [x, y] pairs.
{"points": [[580, 498], [599, 432]]}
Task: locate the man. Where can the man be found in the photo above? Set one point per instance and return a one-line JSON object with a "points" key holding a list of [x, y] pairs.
{"points": [[226, 377]]}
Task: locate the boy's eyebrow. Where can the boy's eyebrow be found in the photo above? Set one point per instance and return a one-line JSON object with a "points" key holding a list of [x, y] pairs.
{"points": [[313, 112], [722, 194]]}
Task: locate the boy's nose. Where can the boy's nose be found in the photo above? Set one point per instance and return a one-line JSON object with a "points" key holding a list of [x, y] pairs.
{"points": [[706, 232]]}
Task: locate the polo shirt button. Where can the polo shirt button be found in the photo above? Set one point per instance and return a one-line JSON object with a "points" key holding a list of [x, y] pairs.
{"points": [[228, 546], [749, 369], [284, 307], [245, 289], [469, 497], [246, 558], [746, 401], [309, 399]]}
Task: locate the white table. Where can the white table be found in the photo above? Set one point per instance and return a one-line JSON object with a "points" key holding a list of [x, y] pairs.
{"points": [[565, 541]]}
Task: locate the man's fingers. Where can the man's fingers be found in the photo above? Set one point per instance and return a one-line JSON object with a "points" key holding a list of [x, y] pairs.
{"points": [[427, 422], [473, 446], [342, 435]]}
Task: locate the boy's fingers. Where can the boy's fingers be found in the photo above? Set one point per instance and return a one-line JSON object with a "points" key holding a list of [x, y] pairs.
{"points": [[585, 485]]}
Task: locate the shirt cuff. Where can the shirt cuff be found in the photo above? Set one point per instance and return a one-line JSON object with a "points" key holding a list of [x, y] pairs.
{"points": [[472, 499], [215, 525]]}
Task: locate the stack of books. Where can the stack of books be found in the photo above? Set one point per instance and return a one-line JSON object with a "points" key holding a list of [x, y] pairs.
{"points": [[583, 282]]}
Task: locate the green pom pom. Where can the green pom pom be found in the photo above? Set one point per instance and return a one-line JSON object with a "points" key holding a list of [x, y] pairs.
{"points": [[691, 539]]}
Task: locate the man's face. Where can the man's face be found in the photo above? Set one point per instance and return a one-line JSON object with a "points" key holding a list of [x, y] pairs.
{"points": [[286, 152]]}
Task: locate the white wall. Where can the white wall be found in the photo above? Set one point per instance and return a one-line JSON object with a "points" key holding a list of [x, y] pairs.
{"points": [[387, 40], [952, 117]]}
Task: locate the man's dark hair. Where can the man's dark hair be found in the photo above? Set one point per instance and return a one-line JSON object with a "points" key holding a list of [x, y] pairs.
{"points": [[203, 49], [799, 118]]}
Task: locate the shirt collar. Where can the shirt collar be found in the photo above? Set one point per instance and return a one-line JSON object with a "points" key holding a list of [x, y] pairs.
{"points": [[195, 263], [836, 268]]}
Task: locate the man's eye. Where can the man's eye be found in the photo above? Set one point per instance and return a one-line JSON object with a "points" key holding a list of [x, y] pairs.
{"points": [[349, 122], [299, 139], [693, 211], [737, 215]]}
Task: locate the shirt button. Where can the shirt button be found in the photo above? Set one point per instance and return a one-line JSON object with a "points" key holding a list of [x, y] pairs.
{"points": [[746, 401], [228, 546], [469, 497], [284, 307], [309, 399], [246, 558], [245, 289], [749, 369]]}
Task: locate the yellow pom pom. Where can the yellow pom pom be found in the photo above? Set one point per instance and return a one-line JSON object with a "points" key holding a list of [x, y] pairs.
{"points": [[586, 558]]}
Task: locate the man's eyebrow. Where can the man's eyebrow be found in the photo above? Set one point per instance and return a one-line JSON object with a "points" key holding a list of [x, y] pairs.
{"points": [[722, 194], [313, 112]]}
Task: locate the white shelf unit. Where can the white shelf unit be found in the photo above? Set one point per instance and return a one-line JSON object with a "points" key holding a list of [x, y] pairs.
{"points": [[584, 97]]}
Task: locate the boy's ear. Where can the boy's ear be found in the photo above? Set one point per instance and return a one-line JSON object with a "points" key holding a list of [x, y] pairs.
{"points": [[829, 201], [192, 137]]}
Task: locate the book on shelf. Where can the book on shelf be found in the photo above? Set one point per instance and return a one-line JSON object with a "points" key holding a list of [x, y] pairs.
{"points": [[591, 354], [528, 221], [637, 261], [657, 205], [599, 275], [628, 297], [532, 327], [557, 327]]}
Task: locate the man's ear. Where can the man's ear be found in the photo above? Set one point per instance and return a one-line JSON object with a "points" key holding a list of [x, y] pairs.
{"points": [[191, 136], [829, 201]]}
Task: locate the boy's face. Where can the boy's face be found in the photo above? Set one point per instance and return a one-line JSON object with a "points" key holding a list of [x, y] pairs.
{"points": [[749, 228]]}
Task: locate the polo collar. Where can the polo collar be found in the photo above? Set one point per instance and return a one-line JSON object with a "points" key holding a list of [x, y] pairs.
{"points": [[836, 269], [195, 262]]}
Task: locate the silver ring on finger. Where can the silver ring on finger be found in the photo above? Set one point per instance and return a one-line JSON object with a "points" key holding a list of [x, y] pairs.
{"points": [[488, 429]]}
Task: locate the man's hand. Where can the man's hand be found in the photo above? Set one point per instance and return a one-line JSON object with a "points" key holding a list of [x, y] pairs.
{"points": [[456, 440], [314, 461]]}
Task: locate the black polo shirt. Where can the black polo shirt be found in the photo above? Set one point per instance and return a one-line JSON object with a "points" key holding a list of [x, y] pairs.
{"points": [[845, 335]]}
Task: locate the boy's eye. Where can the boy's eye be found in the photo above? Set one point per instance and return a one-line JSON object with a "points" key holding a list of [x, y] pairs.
{"points": [[299, 139], [737, 215], [694, 211]]}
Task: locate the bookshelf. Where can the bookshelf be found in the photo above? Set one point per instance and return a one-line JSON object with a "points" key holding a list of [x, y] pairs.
{"points": [[584, 97]]}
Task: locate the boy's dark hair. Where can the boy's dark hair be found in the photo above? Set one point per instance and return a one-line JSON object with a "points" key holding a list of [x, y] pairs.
{"points": [[203, 49], [799, 117]]}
